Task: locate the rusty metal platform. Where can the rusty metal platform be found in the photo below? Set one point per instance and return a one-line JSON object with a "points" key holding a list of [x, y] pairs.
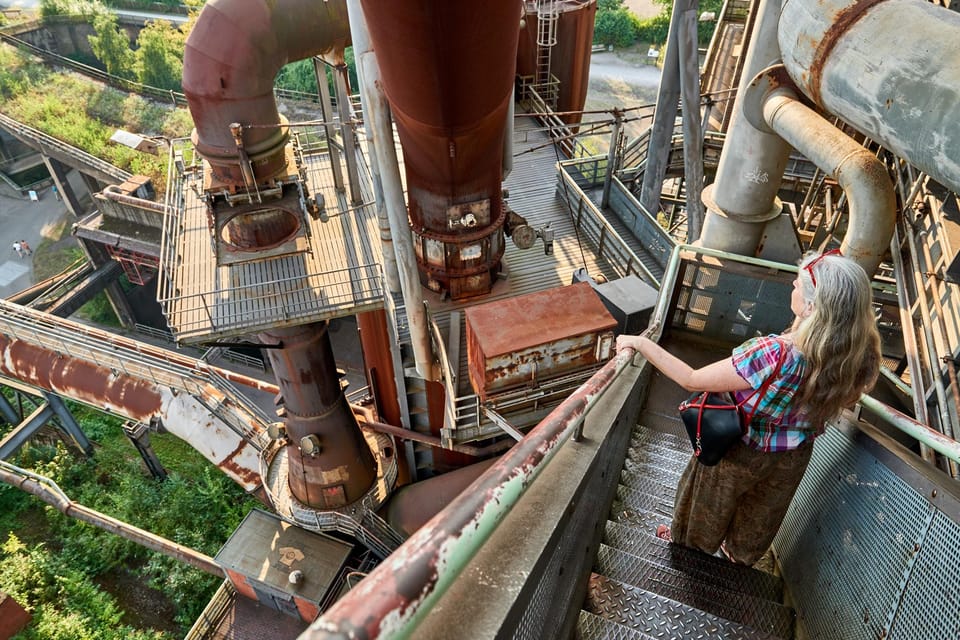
{"points": [[337, 275]]}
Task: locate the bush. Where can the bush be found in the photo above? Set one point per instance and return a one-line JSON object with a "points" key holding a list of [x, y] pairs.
{"points": [[655, 29], [618, 28]]}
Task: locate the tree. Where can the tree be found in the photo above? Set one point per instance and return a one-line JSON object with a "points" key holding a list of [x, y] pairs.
{"points": [[160, 55], [111, 46], [617, 27]]}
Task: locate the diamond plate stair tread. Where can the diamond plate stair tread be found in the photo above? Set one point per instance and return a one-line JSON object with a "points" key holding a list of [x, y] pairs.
{"points": [[594, 627], [640, 457], [667, 475], [637, 518], [642, 435], [657, 503], [659, 616], [672, 440], [645, 483], [640, 542], [695, 590]]}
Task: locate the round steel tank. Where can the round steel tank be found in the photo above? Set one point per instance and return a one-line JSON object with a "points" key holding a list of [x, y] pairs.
{"points": [[569, 57], [448, 71]]}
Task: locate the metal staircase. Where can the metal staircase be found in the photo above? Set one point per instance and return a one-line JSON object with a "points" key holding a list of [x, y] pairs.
{"points": [[643, 587]]}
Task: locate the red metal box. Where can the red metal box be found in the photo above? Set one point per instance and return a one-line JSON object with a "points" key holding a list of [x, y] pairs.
{"points": [[524, 340]]}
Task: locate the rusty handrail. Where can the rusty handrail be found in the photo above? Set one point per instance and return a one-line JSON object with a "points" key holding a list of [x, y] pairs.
{"points": [[394, 598]]}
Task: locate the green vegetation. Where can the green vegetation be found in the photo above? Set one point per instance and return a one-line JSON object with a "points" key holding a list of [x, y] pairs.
{"points": [[54, 565], [616, 25]]}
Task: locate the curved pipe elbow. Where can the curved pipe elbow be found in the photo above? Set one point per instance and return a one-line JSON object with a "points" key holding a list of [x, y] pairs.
{"points": [[235, 51], [864, 179]]}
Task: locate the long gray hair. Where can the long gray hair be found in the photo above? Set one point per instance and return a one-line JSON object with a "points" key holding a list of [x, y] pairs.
{"points": [[839, 338]]}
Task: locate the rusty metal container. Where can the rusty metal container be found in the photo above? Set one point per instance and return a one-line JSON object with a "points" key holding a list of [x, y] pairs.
{"points": [[282, 566], [524, 340]]}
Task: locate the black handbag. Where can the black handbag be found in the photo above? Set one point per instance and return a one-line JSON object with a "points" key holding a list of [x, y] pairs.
{"points": [[715, 420]]}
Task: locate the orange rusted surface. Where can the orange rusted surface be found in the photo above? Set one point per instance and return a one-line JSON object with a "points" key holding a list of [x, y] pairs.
{"points": [[525, 339], [842, 23], [84, 381], [448, 71], [569, 58]]}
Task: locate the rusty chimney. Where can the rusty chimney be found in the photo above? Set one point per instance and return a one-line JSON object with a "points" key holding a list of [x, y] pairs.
{"points": [[448, 71]]}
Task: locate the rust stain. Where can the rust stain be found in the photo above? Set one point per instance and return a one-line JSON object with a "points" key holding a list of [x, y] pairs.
{"points": [[250, 477], [84, 381], [842, 23]]}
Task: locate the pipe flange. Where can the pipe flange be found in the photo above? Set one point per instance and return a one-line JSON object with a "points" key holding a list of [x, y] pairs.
{"points": [[771, 79]]}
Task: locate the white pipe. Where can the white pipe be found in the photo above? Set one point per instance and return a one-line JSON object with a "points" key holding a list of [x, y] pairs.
{"points": [[380, 132]]}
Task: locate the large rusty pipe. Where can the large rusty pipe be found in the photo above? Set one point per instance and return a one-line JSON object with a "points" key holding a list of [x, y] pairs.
{"points": [[50, 493], [448, 70], [861, 175], [230, 62], [392, 600], [890, 68], [331, 464], [137, 399]]}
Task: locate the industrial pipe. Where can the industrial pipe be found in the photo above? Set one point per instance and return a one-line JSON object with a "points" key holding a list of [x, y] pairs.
{"points": [[743, 196], [861, 175], [111, 193], [891, 69], [450, 93], [376, 113], [230, 62], [48, 491]]}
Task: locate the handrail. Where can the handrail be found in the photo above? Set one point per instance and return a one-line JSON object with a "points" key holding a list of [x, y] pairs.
{"points": [[944, 445], [395, 597]]}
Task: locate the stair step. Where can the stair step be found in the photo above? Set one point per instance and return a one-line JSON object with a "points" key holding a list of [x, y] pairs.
{"points": [[658, 616], [642, 543], [658, 462], [642, 481], [594, 627], [633, 499], [698, 591], [641, 519], [667, 449], [646, 434]]}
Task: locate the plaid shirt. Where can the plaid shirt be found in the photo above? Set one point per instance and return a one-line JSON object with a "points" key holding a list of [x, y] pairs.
{"points": [[775, 426]]}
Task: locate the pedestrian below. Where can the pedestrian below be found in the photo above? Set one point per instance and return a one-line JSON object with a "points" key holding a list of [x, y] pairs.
{"points": [[18, 248], [26, 248], [56, 193], [832, 356]]}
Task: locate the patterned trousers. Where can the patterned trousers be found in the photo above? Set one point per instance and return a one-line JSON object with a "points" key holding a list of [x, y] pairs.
{"points": [[740, 502]]}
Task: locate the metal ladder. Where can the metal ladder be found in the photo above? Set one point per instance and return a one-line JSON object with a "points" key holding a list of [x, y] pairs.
{"points": [[547, 16]]}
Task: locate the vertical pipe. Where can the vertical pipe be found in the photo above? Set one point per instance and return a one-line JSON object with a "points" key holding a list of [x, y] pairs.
{"points": [[377, 114], [326, 109], [330, 464], [743, 196], [661, 131], [347, 133], [612, 156], [689, 62]]}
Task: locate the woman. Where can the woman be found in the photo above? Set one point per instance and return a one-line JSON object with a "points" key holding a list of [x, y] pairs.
{"points": [[832, 356]]}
